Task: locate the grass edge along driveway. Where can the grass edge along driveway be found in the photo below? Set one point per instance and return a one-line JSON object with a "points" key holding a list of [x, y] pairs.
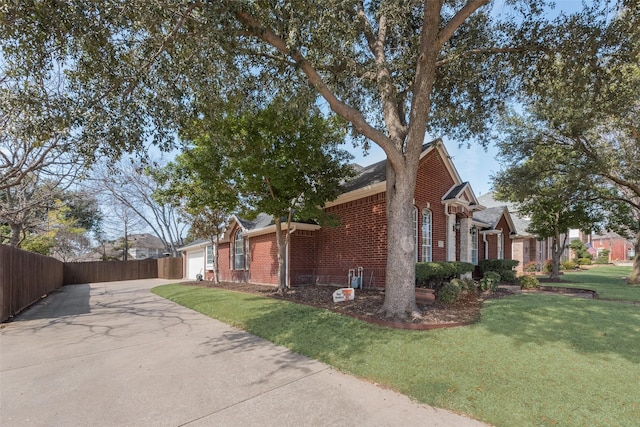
{"points": [[531, 360]]}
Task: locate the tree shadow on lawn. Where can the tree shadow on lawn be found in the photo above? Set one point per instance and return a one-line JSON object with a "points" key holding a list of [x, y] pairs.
{"points": [[317, 333], [588, 326]]}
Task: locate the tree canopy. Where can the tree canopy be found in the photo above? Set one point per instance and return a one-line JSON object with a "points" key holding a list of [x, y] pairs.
{"points": [[392, 70]]}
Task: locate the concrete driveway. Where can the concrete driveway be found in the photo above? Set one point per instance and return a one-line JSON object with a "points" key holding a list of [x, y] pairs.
{"points": [[114, 354]]}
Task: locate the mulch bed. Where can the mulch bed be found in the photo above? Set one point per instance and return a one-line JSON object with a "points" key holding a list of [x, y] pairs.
{"points": [[367, 302]]}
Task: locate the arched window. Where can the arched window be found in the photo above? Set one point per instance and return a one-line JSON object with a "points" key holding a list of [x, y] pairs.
{"points": [[238, 252], [415, 232], [427, 235]]}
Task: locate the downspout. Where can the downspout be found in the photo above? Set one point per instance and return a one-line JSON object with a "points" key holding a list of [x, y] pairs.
{"points": [[486, 245]]}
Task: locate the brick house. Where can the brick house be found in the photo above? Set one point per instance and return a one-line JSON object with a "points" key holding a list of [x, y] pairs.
{"points": [[620, 249], [443, 223]]}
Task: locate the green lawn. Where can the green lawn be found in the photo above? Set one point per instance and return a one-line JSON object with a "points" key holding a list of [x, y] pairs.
{"points": [[531, 360], [606, 280]]}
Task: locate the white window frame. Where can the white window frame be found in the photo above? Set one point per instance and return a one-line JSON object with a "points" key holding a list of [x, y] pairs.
{"points": [[209, 253], [474, 247], [238, 256], [427, 235]]}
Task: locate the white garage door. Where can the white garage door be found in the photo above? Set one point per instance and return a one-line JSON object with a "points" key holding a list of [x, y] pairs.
{"points": [[195, 264]]}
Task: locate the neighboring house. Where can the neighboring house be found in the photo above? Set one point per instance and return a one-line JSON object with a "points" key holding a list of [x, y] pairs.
{"points": [[143, 246], [620, 249], [526, 247], [444, 227]]}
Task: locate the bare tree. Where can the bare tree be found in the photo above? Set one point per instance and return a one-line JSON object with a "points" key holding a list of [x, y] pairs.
{"points": [[130, 185]]}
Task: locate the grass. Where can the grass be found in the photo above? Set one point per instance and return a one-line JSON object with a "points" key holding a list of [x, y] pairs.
{"points": [[607, 280], [532, 359]]}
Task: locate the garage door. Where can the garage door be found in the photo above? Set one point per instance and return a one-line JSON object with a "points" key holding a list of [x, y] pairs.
{"points": [[195, 264]]}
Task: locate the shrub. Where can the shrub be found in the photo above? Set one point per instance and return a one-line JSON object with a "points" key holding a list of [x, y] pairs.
{"points": [[568, 265], [508, 276], [448, 294], [435, 274], [529, 282], [603, 257], [584, 261], [489, 281], [547, 266], [498, 265], [468, 285], [531, 267]]}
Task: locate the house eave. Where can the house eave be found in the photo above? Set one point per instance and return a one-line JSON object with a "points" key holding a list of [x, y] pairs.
{"points": [[369, 190], [272, 229]]}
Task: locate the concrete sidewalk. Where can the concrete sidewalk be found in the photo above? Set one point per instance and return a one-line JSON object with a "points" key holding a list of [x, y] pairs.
{"points": [[112, 354]]}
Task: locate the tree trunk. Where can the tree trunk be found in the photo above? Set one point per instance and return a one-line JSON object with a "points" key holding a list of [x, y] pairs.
{"points": [[282, 256], [634, 279], [400, 297], [14, 240], [556, 254], [214, 248]]}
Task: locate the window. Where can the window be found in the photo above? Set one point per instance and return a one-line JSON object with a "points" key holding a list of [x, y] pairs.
{"points": [[500, 246], [427, 235], [238, 254], [415, 232], [474, 246], [209, 251]]}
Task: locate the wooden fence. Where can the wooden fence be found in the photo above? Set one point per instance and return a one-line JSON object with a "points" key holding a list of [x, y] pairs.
{"points": [[25, 277]]}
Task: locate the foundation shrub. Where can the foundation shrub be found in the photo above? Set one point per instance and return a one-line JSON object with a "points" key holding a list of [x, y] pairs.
{"points": [[448, 293], [435, 274], [529, 282], [531, 267], [489, 281]]}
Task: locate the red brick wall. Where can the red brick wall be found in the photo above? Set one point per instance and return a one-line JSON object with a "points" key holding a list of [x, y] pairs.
{"points": [[492, 241], [359, 241], [433, 182], [361, 238], [302, 257]]}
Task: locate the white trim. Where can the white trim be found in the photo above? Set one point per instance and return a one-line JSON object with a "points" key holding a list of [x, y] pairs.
{"points": [[358, 194], [272, 229]]}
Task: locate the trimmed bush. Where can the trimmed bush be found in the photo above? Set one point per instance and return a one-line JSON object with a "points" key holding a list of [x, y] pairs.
{"points": [[547, 267], [584, 261], [508, 276], [504, 267], [529, 282], [603, 257], [448, 294], [498, 265], [435, 274], [531, 267], [489, 281], [568, 265]]}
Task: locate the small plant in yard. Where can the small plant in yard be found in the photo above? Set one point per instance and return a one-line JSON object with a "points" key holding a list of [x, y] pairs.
{"points": [[569, 265], [466, 285], [531, 267], [449, 293], [489, 281], [529, 282], [584, 261]]}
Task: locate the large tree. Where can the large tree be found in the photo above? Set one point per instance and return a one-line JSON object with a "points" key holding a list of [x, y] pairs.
{"points": [[554, 198], [393, 70], [588, 113]]}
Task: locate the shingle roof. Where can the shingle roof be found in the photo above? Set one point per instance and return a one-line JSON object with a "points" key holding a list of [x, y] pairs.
{"points": [[490, 216], [519, 223], [455, 191], [375, 173]]}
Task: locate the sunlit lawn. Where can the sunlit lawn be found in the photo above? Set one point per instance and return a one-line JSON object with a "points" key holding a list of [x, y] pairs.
{"points": [[606, 280], [531, 360]]}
